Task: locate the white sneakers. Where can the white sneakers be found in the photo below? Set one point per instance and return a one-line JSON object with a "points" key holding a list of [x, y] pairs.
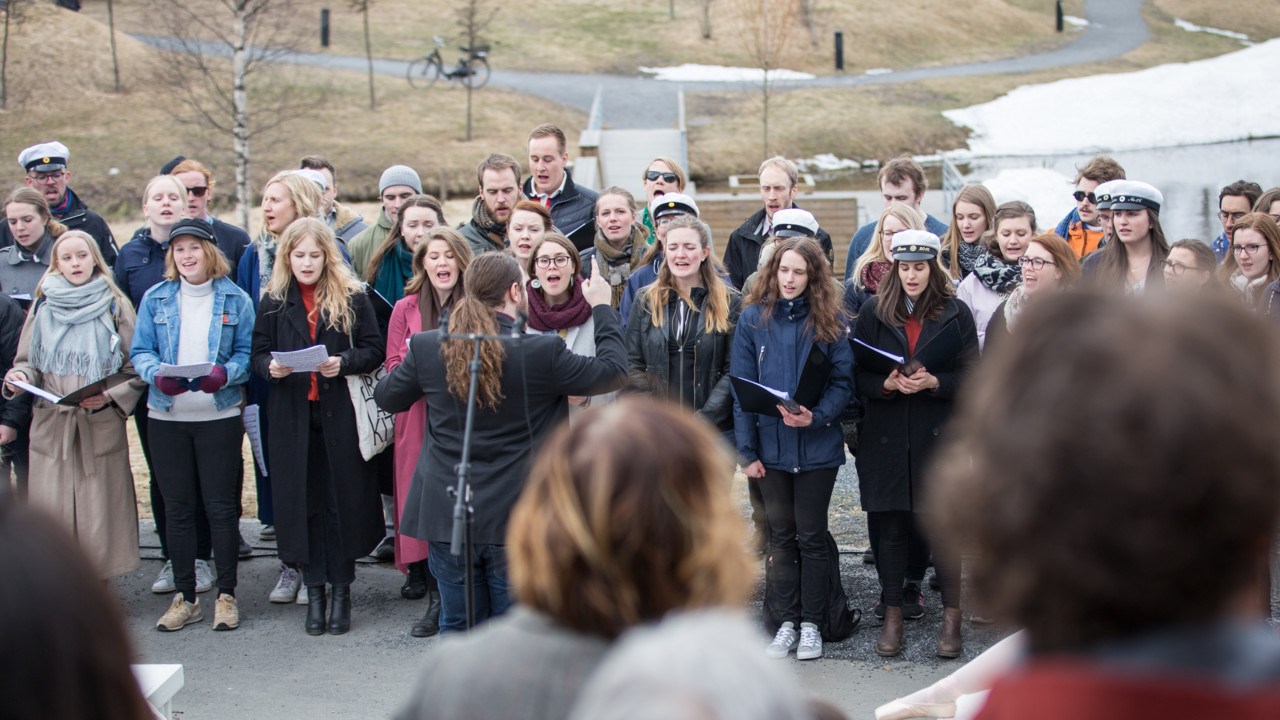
{"points": [[810, 647], [784, 642], [286, 588], [164, 581], [807, 644]]}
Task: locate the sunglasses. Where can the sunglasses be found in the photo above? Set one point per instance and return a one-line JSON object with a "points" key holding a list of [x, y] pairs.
{"points": [[1081, 195], [199, 190], [653, 176]]}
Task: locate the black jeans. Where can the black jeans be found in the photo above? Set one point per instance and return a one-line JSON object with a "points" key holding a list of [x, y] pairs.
{"points": [[901, 551], [326, 561], [795, 511], [198, 465], [204, 542], [917, 548]]}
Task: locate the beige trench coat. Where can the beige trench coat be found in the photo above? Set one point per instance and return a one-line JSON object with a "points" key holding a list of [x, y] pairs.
{"points": [[80, 461]]}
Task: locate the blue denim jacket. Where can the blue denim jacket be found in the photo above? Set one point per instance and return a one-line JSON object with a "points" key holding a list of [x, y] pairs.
{"points": [[155, 340]]}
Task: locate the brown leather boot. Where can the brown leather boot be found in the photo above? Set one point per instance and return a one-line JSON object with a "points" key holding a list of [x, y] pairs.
{"points": [[890, 642], [949, 644]]}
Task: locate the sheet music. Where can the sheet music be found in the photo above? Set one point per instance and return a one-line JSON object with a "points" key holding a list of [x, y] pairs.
{"points": [[193, 370], [896, 358], [38, 392], [307, 360], [253, 429]]}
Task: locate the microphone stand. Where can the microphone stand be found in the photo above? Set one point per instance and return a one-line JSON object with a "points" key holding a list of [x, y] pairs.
{"points": [[463, 512]]}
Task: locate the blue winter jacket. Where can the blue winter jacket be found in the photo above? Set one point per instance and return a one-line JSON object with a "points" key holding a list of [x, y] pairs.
{"points": [[640, 278], [140, 265], [155, 339], [773, 354]]}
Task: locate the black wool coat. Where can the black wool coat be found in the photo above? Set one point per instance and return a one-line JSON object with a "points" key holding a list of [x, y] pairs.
{"points": [[900, 432], [538, 374], [283, 326]]}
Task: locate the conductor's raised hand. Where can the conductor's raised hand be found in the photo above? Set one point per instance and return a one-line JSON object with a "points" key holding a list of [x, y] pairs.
{"points": [[596, 289]]}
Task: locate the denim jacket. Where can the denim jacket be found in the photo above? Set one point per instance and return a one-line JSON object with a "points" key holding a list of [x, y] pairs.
{"points": [[155, 340]]}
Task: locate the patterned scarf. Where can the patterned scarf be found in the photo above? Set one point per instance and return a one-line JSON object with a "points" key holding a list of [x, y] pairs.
{"points": [[874, 274], [496, 231], [571, 314], [266, 260], [1001, 277], [75, 330], [618, 264]]}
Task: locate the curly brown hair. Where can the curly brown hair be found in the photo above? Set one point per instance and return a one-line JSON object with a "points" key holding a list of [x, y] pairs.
{"points": [[608, 535], [1084, 464], [826, 318]]}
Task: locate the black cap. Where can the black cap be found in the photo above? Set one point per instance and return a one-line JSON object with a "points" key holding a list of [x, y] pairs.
{"points": [[167, 168], [192, 227]]}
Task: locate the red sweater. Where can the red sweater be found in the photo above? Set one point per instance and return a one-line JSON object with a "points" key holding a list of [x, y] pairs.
{"points": [[309, 302], [1064, 690]]}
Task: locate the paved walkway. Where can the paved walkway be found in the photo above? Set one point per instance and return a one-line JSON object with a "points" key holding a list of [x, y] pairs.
{"points": [[1115, 28]]}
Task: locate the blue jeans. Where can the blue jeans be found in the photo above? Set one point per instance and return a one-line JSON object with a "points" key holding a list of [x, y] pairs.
{"points": [[489, 572]]}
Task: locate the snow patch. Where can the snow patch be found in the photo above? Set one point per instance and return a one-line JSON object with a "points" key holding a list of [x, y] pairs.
{"points": [[719, 73], [1074, 21], [1047, 191], [1164, 106], [878, 71], [1192, 27], [826, 162]]}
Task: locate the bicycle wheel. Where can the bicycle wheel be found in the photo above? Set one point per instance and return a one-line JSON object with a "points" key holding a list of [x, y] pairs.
{"points": [[424, 72], [477, 73]]}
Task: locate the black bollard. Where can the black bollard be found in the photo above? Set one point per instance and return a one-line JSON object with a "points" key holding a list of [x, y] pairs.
{"points": [[840, 50], [1058, 14], [324, 27]]}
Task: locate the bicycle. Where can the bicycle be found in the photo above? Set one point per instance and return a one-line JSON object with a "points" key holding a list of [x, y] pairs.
{"points": [[471, 71]]}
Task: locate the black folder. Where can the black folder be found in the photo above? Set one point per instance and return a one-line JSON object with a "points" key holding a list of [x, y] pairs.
{"points": [[764, 400], [938, 353]]}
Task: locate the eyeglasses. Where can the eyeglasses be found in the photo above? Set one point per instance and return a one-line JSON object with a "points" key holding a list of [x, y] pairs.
{"points": [[1176, 269], [199, 190], [1081, 195], [1234, 216], [1025, 262], [1250, 249], [653, 176], [545, 262], [49, 177]]}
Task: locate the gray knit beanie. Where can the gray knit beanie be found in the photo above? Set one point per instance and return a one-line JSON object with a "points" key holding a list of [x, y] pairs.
{"points": [[399, 175]]}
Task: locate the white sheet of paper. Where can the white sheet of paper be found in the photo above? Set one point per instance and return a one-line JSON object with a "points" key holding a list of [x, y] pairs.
{"points": [[253, 429], [194, 370], [307, 360], [896, 358], [38, 392], [780, 394]]}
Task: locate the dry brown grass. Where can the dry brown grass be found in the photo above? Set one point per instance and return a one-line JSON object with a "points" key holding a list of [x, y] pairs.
{"points": [[1258, 20], [619, 36]]}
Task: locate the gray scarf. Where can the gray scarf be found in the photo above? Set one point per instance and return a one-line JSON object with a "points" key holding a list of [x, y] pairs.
{"points": [[266, 261], [75, 330]]}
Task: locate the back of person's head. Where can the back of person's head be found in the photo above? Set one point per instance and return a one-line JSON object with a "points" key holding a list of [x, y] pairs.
{"points": [[692, 666], [66, 653], [486, 282], [1114, 468], [612, 534]]}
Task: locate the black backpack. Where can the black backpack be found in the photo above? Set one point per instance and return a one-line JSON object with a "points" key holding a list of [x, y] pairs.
{"points": [[839, 620]]}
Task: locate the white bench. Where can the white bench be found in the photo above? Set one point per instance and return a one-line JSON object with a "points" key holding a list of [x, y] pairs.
{"points": [[159, 683]]}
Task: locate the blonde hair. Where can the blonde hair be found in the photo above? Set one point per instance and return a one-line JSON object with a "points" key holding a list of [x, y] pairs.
{"points": [[975, 195], [124, 306], [30, 196], [905, 214], [305, 195], [608, 535], [716, 307], [337, 284]]}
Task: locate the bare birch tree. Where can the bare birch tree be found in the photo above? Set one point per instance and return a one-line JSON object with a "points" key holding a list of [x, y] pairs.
{"points": [[362, 7], [474, 17], [225, 53], [765, 35], [12, 16], [705, 6]]}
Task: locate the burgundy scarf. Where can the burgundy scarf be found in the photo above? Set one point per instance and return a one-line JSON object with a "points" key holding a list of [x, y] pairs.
{"points": [[571, 314], [873, 274]]}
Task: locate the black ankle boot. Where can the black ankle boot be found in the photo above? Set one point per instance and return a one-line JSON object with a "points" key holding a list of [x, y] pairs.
{"points": [[429, 623], [315, 610], [340, 612], [415, 585]]}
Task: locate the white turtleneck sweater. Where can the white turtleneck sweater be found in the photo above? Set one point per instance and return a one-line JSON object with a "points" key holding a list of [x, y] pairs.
{"points": [[196, 304]]}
